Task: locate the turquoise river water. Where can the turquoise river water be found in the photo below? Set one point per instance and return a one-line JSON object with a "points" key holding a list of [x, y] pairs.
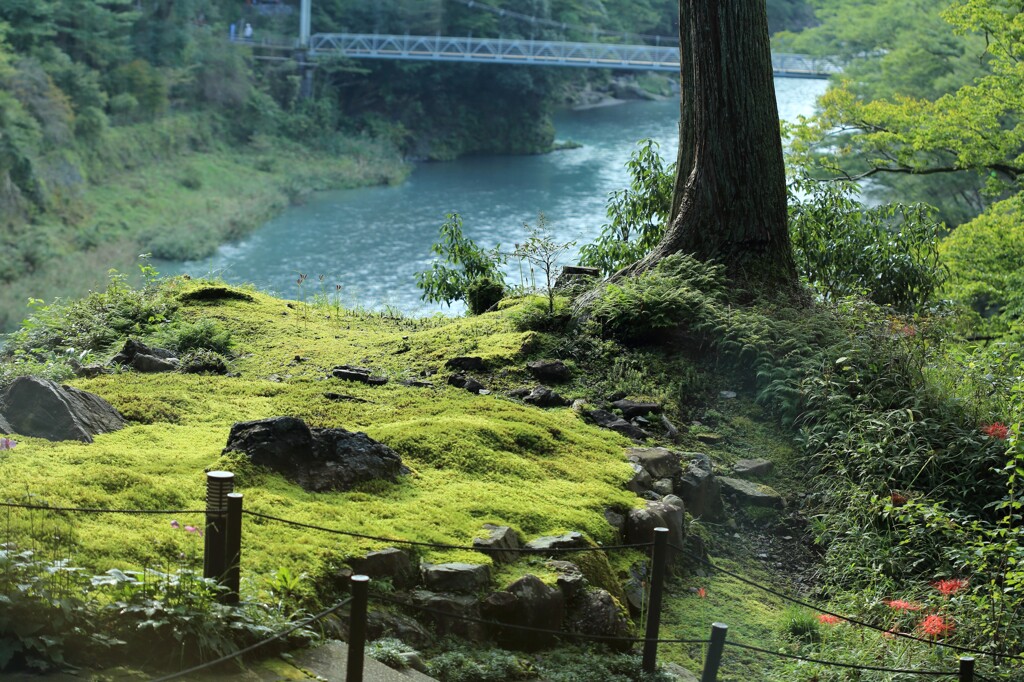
{"points": [[371, 241]]}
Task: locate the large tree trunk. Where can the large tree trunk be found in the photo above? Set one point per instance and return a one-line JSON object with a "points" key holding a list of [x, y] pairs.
{"points": [[730, 194]]}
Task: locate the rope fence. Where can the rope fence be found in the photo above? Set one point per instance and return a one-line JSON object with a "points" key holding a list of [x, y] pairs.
{"points": [[222, 560]]}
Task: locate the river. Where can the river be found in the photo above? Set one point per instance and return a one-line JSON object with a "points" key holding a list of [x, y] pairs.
{"points": [[372, 241]]}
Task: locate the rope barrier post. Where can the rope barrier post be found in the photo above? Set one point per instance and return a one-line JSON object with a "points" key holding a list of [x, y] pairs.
{"points": [[659, 561], [715, 649], [215, 555], [966, 669], [357, 628], [233, 575]]}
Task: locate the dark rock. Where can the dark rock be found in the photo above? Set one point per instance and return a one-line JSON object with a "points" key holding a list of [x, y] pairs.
{"points": [[43, 409], [641, 481], [150, 364], [466, 364], [571, 274], [500, 539], [360, 374], [519, 393], [663, 486], [618, 395], [342, 398], [468, 383], [658, 462], [526, 603], [5, 428], [381, 623], [640, 523], [133, 348], [606, 419], [709, 438], [753, 494], [636, 587], [202, 362], [631, 408], [456, 577], [570, 578], [700, 489], [89, 371], [670, 429], [542, 396], [391, 563], [317, 459], [595, 612], [554, 371], [615, 520], [752, 467], [572, 540], [457, 605]]}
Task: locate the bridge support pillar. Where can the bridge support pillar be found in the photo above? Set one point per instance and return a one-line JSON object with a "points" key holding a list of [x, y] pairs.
{"points": [[305, 75]]}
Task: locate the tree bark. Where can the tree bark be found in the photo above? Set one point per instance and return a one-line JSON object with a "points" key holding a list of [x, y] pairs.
{"points": [[729, 203]]}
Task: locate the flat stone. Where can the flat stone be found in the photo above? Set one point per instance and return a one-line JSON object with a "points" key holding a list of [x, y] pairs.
{"points": [[361, 374], [342, 398], [391, 562], [709, 438], [752, 467], [571, 540], [542, 396], [466, 364], [753, 494], [466, 382], [606, 419], [727, 395]]}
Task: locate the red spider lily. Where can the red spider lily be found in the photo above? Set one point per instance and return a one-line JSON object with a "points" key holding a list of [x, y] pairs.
{"points": [[936, 626], [829, 619], [193, 529], [909, 330], [175, 525], [949, 586], [902, 605], [898, 498], [701, 592], [996, 430], [7, 444]]}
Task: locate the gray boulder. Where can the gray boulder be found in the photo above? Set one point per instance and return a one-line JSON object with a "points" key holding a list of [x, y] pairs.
{"points": [[466, 382], [361, 374], [43, 409], [143, 358], [570, 578], [456, 577], [391, 563], [663, 486], [499, 540], [700, 489], [5, 428], [641, 481], [381, 623], [318, 459], [526, 603]]}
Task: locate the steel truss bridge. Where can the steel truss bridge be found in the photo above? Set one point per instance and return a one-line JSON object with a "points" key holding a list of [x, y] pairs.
{"points": [[535, 53]]}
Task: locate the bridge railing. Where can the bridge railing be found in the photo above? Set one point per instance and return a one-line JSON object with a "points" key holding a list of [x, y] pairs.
{"points": [[534, 52]]}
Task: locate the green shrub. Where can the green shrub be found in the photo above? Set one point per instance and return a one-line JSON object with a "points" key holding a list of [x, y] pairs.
{"points": [[484, 294], [202, 335], [888, 252], [486, 665], [445, 283], [389, 651]]}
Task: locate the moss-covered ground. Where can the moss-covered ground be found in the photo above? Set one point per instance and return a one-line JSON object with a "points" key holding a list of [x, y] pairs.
{"points": [[474, 459]]}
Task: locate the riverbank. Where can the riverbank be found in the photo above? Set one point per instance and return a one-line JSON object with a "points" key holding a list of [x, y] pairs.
{"points": [[177, 193]]}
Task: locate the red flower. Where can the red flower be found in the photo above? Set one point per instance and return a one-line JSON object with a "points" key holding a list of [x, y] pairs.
{"points": [[898, 499], [829, 619], [909, 330], [701, 592], [950, 586], [902, 605], [935, 626], [996, 430]]}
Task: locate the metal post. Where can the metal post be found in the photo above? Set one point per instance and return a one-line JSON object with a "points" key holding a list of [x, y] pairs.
{"points": [[357, 628], [215, 555], [305, 19], [233, 575], [967, 669], [715, 649], [659, 559]]}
